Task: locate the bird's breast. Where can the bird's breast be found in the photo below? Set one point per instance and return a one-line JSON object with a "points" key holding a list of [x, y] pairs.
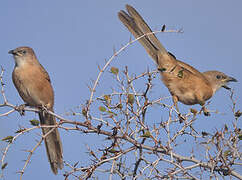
{"points": [[32, 85]]}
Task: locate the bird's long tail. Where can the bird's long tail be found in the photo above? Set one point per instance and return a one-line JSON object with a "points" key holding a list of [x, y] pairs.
{"points": [[52, 141], [138, 27]]}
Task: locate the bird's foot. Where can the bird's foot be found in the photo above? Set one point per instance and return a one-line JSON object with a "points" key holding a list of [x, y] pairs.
{"points": [[205, 111], [20, 109]]}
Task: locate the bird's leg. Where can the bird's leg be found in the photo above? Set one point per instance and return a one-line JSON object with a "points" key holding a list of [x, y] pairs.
{"points": [[20, 109], [44, 109], [205, 111], [175, 101]]}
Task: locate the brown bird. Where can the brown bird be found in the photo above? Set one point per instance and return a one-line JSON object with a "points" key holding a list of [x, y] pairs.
{"points": [[185, 83], [33, 84]]}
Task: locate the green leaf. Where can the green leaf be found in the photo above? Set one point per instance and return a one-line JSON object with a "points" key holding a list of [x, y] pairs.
{"points": [[8, 139], [238, 114], [130, 98], [34, 122], [240, 137], [227, 153], [180, 73], [102, 109], [107, 98], [20, 130], [146, 134], [84, 112], [114, 70], [4, 166], [113, 151]]}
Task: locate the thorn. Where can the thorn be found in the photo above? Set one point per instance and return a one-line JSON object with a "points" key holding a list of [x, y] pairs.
{"points": [[130, 39], [163, 28], [114, 51], [99, 67]]}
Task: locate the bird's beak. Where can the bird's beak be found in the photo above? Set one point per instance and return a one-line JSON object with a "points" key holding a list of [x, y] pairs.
{"points": [[229, 79], [12, 52]]}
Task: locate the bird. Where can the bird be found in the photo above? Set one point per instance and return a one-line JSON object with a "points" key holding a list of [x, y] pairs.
{"points": [[185, 83], [33, 84]]}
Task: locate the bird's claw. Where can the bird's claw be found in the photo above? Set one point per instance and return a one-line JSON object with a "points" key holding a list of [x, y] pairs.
{"points": [[20, 109], [206, 111]]}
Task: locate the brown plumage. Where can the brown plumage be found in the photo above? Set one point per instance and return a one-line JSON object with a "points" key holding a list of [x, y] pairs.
{"points": [[33, 84], [185, 83]]}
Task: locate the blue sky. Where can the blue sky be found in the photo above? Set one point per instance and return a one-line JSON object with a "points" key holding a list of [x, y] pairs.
{"points": [[71, 38]]}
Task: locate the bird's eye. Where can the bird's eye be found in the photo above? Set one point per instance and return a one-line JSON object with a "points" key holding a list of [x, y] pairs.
{"points": [[24, 52], [218, 77]]}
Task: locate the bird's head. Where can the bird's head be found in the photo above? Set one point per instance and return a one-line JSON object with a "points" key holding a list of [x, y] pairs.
{"points": [[218, 79], [22, 54]]}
